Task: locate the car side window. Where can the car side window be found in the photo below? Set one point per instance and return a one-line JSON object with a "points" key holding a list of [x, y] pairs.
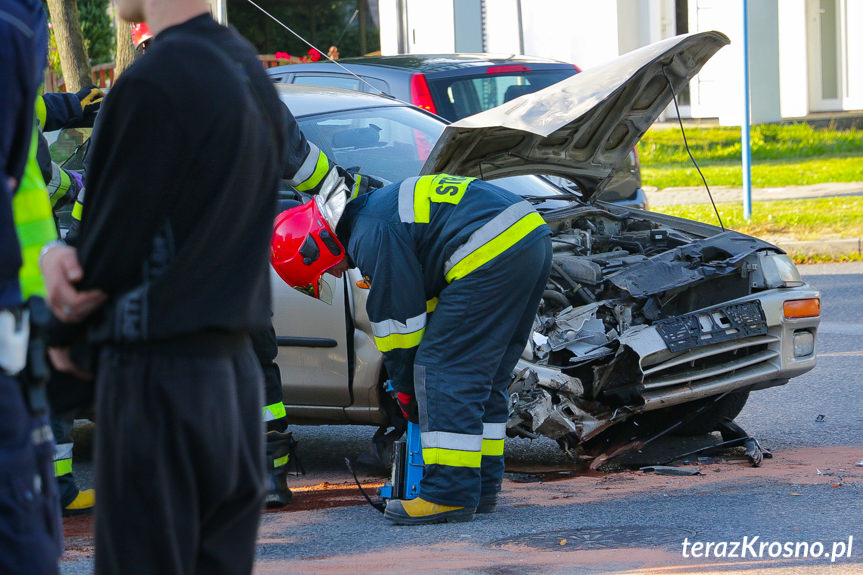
{"points": [[377, 83], [328, 80]]}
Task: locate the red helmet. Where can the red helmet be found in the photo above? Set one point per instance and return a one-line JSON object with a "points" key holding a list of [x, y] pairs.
{"points": [[140, 33], [304, 247]]}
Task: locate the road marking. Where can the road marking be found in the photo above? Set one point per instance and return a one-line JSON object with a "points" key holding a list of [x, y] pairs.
{"points": [[841, 354]]}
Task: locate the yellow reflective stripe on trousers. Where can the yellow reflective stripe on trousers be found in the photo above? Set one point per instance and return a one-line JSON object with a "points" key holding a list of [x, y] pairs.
{"points": [[281, 461], [453, 449], [416, 195], [431, 304], [492, 239], [493, 435], [62, 467], [63, 459], [274, 411], [451, 457]]}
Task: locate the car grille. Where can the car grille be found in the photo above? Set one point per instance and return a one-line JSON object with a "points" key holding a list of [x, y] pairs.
{"points": [[711, 369]]}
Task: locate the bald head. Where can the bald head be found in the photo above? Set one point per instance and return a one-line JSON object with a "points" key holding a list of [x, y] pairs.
{"points": [[161, 14]]}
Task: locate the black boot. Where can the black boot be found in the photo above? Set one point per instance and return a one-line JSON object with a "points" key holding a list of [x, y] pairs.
{"points": [[280, 447]]}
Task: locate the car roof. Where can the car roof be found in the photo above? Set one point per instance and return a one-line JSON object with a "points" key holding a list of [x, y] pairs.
{"points": [[311, 100], [426, 63], [439, 62]]}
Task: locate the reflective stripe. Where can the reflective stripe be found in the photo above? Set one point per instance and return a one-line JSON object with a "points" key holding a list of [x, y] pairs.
{"points": [[63, 459], [63, 467], [274, 411], [307, 168], [63, 451], [431, 304], [391, 326], [77, 211], [357, 183], [34, 222], [493, 430], [321, 170], [406, 200], [59, 185], [428, 190], [399, 341], [281, 461], [392, 334], [41, 111], [492, 239], [449, 440], [492, 447], [452, 458]]}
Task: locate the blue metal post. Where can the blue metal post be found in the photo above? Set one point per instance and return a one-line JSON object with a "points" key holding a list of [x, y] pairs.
{"points": [[746, 147]]}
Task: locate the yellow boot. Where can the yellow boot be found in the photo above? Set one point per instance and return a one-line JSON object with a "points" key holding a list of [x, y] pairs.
{"points": [[421, 512], [82, 504]]}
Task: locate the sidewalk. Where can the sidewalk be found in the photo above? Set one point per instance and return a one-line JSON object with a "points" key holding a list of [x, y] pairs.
{"points": [[723, 194]]}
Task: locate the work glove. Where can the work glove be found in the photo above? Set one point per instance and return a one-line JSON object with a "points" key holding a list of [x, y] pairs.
{"points": [[91, 98], [408, 405]]}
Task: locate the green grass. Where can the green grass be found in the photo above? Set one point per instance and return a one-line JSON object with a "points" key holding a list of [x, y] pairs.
{"points": [[788, 220], [782, 155]]}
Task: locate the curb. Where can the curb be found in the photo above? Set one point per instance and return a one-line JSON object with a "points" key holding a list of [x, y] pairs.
{"points": [[833, 248]]}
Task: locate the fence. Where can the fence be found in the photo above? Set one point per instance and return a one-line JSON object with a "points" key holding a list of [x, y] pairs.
{"points": [[103, 74]]}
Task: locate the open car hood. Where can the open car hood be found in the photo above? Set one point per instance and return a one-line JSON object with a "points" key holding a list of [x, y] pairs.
{"points": [[579, 128]]}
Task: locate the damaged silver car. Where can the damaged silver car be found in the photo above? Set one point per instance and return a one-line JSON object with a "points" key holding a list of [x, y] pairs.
{"points": [[648, 323]]}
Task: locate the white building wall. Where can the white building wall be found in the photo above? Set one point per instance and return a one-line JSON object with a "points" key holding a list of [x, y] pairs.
{"points": [[501, 25], [583, 32], [389, 30], [853, 57], [793, 65]]}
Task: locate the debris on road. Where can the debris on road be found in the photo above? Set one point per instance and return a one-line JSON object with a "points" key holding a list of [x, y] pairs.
{"points": [[820, 418], [669, 470]]}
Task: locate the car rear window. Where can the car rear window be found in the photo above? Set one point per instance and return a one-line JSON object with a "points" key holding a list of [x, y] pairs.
{"points": [[461, 96]]}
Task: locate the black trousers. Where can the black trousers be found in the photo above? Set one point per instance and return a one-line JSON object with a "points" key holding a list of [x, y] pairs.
{"points": [[179, 458]]}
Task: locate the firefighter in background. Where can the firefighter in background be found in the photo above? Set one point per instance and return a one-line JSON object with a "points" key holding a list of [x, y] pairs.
{"points": [[442, 254], [67, 393]]}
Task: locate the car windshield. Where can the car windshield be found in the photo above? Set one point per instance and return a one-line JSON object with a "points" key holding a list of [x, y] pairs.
{"points": [[457, 97], [392, 143]]}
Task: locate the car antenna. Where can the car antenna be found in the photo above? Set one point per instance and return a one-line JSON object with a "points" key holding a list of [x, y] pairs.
{"points": [[327, 56], [683, 133]]}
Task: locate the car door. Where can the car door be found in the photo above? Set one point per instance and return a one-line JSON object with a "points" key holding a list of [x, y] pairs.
{"points": [[313, 344]]}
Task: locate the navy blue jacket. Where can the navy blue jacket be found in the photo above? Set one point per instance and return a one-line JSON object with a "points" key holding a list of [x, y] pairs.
{"points": [[411, 240], [23, 57]]}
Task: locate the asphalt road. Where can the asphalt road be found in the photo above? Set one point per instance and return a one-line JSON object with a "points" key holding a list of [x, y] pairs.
{"points": [[625, 522]]}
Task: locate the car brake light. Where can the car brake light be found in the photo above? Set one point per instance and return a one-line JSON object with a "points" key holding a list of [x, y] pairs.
{"points": [[420, 94], [798, 308], [509, 69]]}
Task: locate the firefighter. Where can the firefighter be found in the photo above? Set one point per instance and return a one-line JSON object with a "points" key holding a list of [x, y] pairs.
{"points": [[30, 530], [457, 268], [67, 393]]}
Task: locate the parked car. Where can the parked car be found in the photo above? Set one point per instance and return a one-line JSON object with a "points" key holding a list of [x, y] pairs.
{"points": [[455, 86], [647, 319]]}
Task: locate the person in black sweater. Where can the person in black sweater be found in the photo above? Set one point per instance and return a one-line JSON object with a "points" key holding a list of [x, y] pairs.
{"points": [[180, 199]]}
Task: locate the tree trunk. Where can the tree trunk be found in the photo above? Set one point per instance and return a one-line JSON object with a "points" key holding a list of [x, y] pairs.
{"points": [[362, 6], [70, 44], [125, 52]]}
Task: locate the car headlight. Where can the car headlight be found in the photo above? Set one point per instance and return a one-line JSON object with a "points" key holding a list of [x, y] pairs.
{"points": [[776, 271]]}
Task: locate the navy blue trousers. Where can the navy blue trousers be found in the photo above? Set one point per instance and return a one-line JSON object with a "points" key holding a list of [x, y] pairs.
{"points": [[463, 368], [31, 534]]}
